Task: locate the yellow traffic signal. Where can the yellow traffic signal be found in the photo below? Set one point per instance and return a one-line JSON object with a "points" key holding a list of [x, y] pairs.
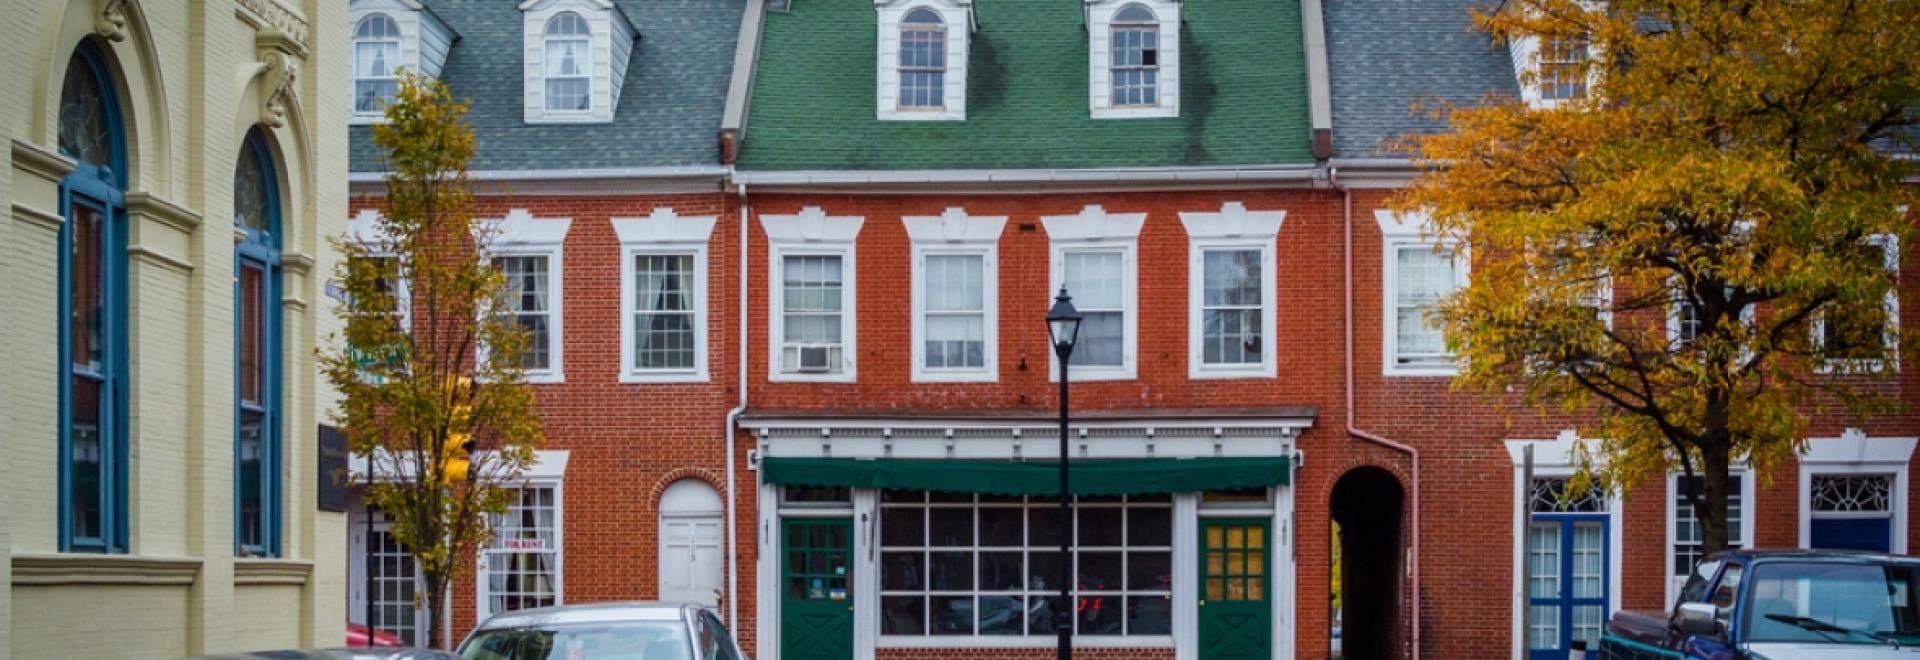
{"points": [[458, 460]]}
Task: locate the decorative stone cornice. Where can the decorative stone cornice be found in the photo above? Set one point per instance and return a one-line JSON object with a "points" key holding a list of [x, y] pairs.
{"points": [[39, 160], [272, 14], [104, 569], [168, 213], [111, 21], [297, 263], [271, 571]]}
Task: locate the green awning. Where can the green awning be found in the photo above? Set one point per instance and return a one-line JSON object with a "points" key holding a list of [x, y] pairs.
{"points": [[1089, 477]]}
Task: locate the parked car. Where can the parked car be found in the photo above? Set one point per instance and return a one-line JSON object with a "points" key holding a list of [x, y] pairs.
{"points": [[390, 653], [1781, 605], [604, 631], [357, 638]]}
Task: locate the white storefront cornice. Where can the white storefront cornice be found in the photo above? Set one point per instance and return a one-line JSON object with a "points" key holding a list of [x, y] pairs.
{"points": [[1172, 434]]}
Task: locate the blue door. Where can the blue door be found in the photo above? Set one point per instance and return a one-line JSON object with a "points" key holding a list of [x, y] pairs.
{"points": [[1566, 583], [1873, 534], [1851, 512]]}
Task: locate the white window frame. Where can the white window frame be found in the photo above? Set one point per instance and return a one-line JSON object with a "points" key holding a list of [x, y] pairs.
{"points": [[609, 45], [1409, 231], [1853, 453], [424, 42], [956, 17], [1233, 228], [1100, 21], [1890, 244], [664, 233], [519, 234], [1096, 230], [364, 230], [547, 76], [480, 582], [811, 232], [953, 232], [1558, 459], [1738, 474], [400, 60]]}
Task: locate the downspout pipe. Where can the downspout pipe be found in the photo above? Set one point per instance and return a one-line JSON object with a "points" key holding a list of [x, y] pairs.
{"points": [[1354, 430], [733, 418]]}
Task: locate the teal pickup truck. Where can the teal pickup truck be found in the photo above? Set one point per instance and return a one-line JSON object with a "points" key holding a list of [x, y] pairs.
{"points": [[1781, 605]]}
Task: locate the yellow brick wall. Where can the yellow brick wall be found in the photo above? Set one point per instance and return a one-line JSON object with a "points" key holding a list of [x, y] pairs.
{"points": [[190, 85]]}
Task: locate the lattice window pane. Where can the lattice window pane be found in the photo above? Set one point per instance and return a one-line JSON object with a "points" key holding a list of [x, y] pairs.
{"points": [[1864, 493], [1550, 496], [663, 311], [522, 561]]}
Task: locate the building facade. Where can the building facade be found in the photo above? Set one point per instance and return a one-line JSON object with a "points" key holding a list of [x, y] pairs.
{"points": [[174, 175], [797, 257]]}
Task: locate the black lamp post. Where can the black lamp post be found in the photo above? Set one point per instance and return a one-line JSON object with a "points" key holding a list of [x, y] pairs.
{"points": [[1063, 326]]}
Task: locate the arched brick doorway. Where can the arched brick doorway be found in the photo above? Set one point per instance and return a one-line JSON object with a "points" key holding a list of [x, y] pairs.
{"points": [[1368, 504]]}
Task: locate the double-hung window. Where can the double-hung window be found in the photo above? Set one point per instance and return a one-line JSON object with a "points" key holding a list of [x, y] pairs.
{"points": [[812, 301], [1136, 57], [1855, 337], [528, 254], [93, 311], [257, 415], [1418, 271], [520, 568], [955, 296], [1095, 258], [1685, 532], [1232, 301], [376, 56], [568, 63], [1563, 68], [923, 61], [664, 292], [962, 565]]}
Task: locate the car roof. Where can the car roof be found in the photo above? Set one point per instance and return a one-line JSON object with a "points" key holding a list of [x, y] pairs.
{"points": [[591, 613], [1838, 556]]}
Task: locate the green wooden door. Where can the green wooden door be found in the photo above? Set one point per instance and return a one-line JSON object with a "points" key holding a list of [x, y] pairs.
{"points": [[816, 602], [1236, 615]]}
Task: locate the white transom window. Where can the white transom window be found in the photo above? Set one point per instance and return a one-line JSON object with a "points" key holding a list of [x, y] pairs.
{"points": [[520, 568], [963, 565], [812, 297], [1095, 258], [664, 292], [955, 296], [1230, 278], [1134, 48], [922, 71]]}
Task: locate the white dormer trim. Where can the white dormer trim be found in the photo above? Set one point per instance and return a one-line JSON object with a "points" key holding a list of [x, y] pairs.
{"points": [[957, 17], [424, 42], [1233, 228], [1525, 53], [1093, 229], [610, 43], [1100, 15], [664, 232]]}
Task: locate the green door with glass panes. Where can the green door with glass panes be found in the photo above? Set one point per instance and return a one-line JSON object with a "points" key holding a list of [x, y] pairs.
{"points": [[816, 590], [1236, 615]]}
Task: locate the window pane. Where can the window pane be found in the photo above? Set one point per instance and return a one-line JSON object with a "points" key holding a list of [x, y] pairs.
{"points": [[1001, 615], [85, 453], [903, 527], [1002, 571], [527, 300], [1098, 571], [664, 317], [950, 528], [903, 615], [87, 288], [1001, 527], [902, 571], [1100, 527], [955, 283], [519, 567], [1102, 339], [252, 524], [952, 615], [252, 334], [1150, 615], [1232, 277], [1094, 280], [85, 134]]}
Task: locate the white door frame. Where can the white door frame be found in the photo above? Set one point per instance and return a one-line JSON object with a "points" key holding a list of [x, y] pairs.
{"points": [[1555, 459], [1854, 453]]}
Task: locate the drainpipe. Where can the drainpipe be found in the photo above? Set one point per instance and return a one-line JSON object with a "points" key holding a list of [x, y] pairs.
{"points": [[1413, 561], [733, 416]]}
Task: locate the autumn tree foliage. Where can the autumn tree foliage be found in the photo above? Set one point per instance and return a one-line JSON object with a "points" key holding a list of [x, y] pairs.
{"points": [[433, 397], [1693, 249]]}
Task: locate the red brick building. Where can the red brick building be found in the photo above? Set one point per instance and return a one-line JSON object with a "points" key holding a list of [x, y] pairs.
{"points": [[873, 250]]}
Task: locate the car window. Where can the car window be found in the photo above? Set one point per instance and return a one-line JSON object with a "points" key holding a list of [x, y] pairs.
{"points": [[1728, 588], [1695, 589], [648, 640], [716, 643]]}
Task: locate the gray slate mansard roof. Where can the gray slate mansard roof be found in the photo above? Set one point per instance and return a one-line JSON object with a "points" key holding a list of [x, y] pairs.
{"points": [[670, 106], [1383, 55]]}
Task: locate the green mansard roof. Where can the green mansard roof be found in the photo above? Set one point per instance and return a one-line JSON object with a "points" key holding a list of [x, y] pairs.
{"points": [[1243, 94]]}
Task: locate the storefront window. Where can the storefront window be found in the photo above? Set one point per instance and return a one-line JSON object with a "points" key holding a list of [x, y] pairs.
{"points": [[988, 565]]}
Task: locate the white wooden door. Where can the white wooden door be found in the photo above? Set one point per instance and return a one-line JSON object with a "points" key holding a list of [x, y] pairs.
{"points": [[690, 559]]}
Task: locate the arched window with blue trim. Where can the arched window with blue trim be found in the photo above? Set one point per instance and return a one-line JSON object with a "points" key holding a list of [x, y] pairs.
{"points": [[93, 309], [257, 391]]}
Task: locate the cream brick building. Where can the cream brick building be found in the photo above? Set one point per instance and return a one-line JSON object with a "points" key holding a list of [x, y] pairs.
{"points": [[148, 512]]}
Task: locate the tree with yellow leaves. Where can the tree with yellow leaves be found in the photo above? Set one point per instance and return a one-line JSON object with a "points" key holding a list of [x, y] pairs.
{"points": [[1689, 241], [430, 370]]}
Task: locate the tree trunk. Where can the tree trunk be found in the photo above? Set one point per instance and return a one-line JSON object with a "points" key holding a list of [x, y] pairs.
{"points": [[1710, 507], [436, 599]]}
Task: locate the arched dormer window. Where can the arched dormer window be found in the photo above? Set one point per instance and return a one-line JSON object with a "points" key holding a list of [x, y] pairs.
{"points": [[569, 63], [376, 54], [93, 310], [1136, 57], [257, 391], [923, 60]]}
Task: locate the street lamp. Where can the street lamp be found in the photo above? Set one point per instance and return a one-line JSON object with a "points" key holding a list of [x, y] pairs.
{"points": [[1063, 326]]}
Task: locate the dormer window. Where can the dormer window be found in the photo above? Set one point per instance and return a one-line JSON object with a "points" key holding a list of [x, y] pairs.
{"points": [[576, 60], [1136, 57], [569, 63], [389, 35], [1563, 68], [923, 59], [1134, 48], [376, 54]]}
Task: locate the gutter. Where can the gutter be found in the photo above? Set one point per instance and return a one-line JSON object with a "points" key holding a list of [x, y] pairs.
{"points": [[1354, 430], [1251, 173], [733, 416]]}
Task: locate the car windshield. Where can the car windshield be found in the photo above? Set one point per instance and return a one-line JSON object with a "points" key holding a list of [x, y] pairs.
{"points": [[645, 640], [1834, 603]]}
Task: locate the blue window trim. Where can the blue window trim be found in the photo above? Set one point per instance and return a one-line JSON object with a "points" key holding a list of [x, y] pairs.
{"points": [[260, 250], [1566, 602], [102, 189]]}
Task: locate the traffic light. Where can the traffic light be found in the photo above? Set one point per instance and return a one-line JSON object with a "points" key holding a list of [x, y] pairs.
{"points": [[458, 459]]}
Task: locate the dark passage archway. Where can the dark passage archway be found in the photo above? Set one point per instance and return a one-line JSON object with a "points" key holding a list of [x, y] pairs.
{"points": [[1367, 504]]}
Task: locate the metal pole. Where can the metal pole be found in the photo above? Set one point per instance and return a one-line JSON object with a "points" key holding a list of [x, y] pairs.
{"points": [[366, 545], [1064, 618]]}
